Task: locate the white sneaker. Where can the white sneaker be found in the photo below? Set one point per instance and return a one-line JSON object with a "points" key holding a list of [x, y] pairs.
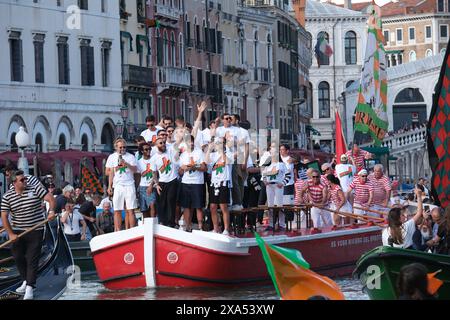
{"points": [[226, 233], [29, 293], [22, 288]]}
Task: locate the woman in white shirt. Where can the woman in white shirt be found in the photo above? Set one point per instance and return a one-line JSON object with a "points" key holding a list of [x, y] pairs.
{"points": [[399, 233]]}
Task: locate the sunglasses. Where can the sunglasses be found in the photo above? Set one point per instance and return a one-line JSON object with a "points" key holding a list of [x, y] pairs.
{"points": [[327, 169], [364, 176], [122, 147], [163, 134], [229, 119], [316, 177], [22, 180], [146, 149]]}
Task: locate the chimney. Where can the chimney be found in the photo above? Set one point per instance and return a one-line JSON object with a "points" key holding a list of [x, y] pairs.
{"points": [[299, 8], [348, 4]]}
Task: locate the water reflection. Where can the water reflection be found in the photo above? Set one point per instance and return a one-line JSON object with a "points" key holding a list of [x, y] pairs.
{"points": [[93, 290]]}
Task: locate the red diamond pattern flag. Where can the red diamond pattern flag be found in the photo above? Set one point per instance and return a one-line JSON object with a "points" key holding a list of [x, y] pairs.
{"points": [[439, 136]]}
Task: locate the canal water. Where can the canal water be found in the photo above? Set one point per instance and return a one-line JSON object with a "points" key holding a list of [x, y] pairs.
{"points": [[90, 289]]}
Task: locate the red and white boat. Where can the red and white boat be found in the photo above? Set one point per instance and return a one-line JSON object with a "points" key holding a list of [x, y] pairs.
{"points": [[152, 255]]}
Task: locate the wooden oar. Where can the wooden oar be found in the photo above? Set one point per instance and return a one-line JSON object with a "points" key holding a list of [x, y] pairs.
{"points": [[1, 230], [354, 216], [40, 224], [6, 260], [372, 210]]}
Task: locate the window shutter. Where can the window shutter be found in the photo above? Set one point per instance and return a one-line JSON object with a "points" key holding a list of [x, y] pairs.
{"points": [[219, 42], [84, 73]]}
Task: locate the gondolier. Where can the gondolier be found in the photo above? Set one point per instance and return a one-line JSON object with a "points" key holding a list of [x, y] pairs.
{"points": [[318, 197], [381, 189], [358, 157], [23, 205], [363, 192]]}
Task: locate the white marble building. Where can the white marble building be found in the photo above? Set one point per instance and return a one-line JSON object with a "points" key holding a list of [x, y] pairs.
{"points": [[62, 84], [346, 31]]}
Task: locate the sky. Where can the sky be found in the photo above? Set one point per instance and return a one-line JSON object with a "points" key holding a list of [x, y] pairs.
{"points": [[378, 2]]}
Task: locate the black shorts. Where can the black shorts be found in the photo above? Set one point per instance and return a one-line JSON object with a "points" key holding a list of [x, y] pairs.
{"points": [[222, 198], [192, 196]]}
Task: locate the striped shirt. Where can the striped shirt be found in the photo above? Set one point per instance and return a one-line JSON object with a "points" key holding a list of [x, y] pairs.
{"points": [[359, 158], [316, 191], [32, 181], [381, 188], [362, 191], [299, 185], [25, 209], [334, 195]]}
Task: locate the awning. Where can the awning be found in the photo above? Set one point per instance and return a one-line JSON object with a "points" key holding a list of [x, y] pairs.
{"points": [[142, 38], [378, 151], [125, 34], [394, 51], [313, 131]]}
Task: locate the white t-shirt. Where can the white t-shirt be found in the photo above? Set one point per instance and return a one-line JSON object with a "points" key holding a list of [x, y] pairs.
{"points": [[72, 224], [274, 173], [345, 174], [145, 170], [206, 135], [150, 136], [408, 229], [166, 165], [290, 168], [220, 172], [122, 176], [196, 157], [232, 131]]}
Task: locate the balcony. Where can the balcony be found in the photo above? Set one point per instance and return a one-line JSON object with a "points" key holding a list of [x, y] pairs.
{"points": [[167, 12], [172, 79], [262, 75], [137, 76]]}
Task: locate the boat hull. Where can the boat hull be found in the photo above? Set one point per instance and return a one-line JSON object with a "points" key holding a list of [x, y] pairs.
{"points": [[172, 258], [387, 262]]}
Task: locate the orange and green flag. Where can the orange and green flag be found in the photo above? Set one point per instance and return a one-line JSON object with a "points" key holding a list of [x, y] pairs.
{"points": [[89, 180], [291, 276], [371, 117]]}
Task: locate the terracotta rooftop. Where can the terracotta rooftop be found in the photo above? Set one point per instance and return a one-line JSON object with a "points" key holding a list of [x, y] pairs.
{"points": [[404, 7]]}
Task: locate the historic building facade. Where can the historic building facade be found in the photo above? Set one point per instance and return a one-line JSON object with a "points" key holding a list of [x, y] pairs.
{"points": [[137, 71], [346, 33], [60, 74], [277, 58], [203, 42], [170, 74]]}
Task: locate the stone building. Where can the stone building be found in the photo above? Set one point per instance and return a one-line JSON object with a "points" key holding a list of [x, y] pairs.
{"points": [[346, 33], [60, 74]]}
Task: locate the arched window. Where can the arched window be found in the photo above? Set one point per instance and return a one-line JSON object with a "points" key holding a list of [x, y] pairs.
{"points": [[324, 100], [166, 49], [348, 84], [181, 50], [428, 53], [38, 142], [62, 142], [412, 56], [350, 47], [324, 60], [173, 50], [85, 143]]}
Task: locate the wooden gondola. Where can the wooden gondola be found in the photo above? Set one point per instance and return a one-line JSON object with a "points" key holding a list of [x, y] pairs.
{"points": [[53, 272]]}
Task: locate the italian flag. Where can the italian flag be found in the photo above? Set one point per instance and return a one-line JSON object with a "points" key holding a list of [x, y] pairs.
{"points": [[322, 47], [291, 276]]}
